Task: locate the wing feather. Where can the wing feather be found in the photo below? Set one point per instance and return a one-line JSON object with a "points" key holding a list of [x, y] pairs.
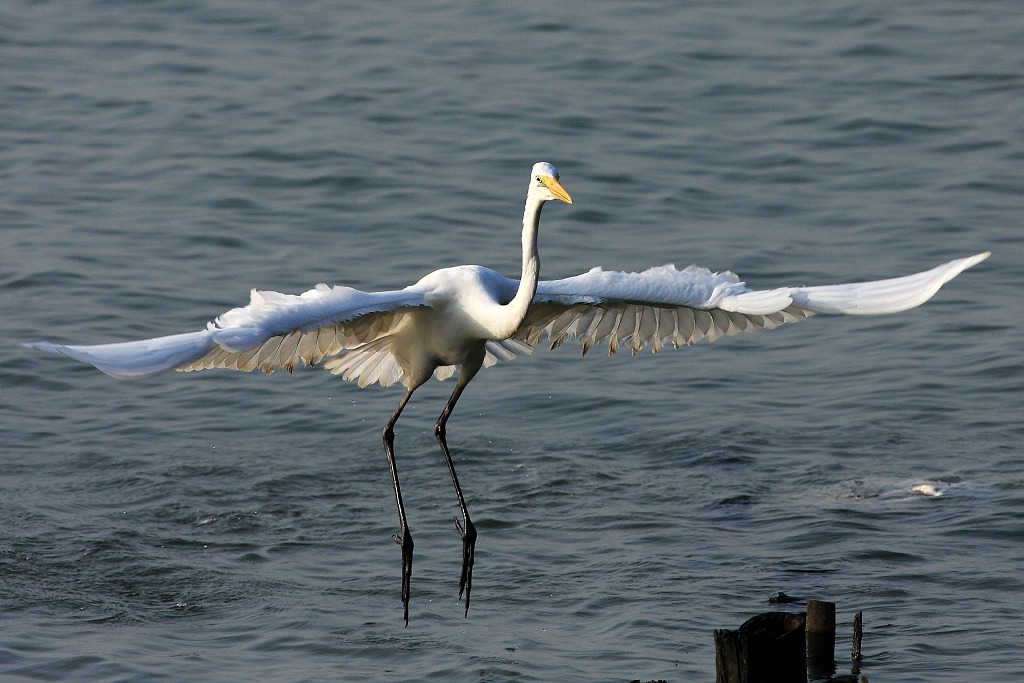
{"points": [[327, 342], [686, 323], [306, 347], [505, 350]]}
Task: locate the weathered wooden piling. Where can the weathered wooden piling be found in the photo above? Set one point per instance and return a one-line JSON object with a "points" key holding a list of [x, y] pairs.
{"points": [[858, 636], [768, 648], [821, 630], [821, 638]]}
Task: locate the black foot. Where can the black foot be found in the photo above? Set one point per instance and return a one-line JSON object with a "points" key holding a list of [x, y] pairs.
{"points": [[468, 550], [405, 540]]}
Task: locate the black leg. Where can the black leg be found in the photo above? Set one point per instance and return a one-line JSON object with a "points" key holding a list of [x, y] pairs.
{"points": [[403, 537], [466, 528]]}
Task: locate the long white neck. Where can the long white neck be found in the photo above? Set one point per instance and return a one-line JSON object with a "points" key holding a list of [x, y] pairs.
{"points": [[512, 314]]}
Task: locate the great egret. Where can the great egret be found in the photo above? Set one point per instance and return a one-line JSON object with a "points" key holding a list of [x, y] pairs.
{"points": [[472, 317]]}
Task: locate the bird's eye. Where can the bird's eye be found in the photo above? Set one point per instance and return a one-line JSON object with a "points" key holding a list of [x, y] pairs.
{"points": [[539, 181]]}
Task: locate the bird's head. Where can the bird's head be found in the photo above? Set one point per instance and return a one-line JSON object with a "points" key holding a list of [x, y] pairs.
{"points": [[544, 183]]}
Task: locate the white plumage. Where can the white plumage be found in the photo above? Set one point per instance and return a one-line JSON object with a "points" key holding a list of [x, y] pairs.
{"points": [[355, 330], [470, 317]]}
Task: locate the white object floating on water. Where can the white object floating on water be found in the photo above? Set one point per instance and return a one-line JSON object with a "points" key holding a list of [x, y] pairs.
{"points": [[930, 489], [898, 491]]}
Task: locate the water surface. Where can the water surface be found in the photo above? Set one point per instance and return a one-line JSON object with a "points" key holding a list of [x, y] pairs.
{"points": [[161, 158]]}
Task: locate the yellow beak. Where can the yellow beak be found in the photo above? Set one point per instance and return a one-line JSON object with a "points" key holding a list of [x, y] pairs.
{"points": [[556, 188]]}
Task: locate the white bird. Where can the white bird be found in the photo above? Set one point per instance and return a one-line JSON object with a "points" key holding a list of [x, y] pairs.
{"points": [[470, 317]]}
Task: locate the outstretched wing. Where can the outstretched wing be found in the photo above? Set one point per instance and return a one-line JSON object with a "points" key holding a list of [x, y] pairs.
{"points": [[354, 328], [663, 305], [273, 331]]}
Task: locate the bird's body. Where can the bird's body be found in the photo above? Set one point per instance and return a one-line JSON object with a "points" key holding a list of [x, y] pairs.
{"points": [[463, 313], [464, 318]]}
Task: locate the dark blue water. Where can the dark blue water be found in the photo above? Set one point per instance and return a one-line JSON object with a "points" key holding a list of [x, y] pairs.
{"points": [[158, 159]]}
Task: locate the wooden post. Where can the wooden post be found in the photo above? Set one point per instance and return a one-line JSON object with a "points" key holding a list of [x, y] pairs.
{"points": [[858, 636], [821, 638], [730, 661], [769, 648]]}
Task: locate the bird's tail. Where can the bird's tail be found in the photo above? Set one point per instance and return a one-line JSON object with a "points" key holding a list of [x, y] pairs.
{"points": [[137, 358]]}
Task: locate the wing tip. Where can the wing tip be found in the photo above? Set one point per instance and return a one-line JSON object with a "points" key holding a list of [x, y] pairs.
{"points": [[954, 268], [48, 347], [976, 259]]}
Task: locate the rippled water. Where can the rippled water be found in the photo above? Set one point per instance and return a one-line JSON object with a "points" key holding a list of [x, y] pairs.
{"points": [[161, 158]]}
